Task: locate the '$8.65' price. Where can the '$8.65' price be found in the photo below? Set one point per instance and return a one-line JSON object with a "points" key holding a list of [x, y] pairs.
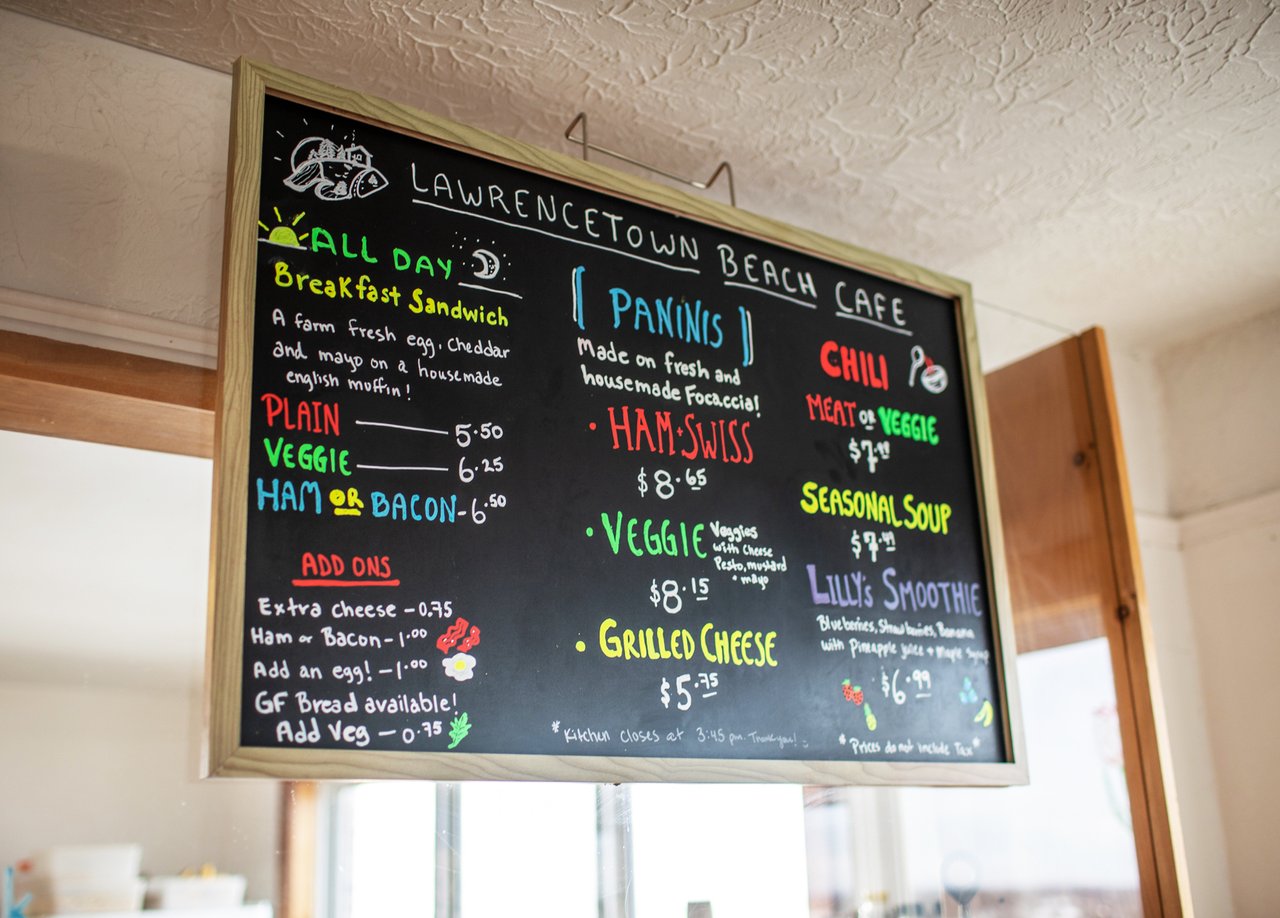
{"points": [[706, 683], [664, 484], [667, 593]]}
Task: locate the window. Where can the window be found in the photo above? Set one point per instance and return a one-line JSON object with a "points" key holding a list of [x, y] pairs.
{"points": [[565, 850], [1061, 845]]}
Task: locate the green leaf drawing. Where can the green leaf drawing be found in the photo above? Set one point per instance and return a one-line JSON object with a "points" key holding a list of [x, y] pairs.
{"points": [[459, 727]]}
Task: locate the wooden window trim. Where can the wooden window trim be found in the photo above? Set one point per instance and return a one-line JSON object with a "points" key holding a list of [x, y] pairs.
{"points": [[1157, 828], [1075, 572], [87, 393]]}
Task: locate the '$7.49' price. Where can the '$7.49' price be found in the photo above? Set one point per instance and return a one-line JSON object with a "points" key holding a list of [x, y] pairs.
{"points": [[706, 682]]}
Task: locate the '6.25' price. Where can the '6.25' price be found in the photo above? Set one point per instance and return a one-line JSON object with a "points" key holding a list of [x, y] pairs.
{"points": [[467, 473]]}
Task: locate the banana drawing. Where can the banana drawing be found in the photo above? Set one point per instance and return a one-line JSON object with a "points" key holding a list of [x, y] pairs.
{"points": [[985, 714]]}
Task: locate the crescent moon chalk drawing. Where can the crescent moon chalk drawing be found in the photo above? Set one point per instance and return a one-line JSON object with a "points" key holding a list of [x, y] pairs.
{"points": [[489, 264]]}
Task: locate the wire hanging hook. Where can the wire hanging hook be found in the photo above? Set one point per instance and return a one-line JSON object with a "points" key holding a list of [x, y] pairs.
{"points": [[586, 145]]}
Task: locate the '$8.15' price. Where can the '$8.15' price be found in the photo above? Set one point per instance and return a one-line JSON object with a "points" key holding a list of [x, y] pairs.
{"points": [[667, 593], [707, 683]]}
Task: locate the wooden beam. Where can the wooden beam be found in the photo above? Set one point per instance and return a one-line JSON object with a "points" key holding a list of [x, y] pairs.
{"points": [[299, 850], [1138, 696], [87, 393]]}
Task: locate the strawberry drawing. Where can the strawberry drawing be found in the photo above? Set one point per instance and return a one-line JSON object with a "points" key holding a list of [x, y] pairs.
{"points": [[851, 692]]}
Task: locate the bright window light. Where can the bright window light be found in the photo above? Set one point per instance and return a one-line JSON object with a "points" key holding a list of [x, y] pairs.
{"points": [[740, 848], [392, 849], [528, 849]]}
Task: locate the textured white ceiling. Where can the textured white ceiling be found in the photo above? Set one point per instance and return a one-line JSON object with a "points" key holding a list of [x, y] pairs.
{"points": [[1078, 162]]}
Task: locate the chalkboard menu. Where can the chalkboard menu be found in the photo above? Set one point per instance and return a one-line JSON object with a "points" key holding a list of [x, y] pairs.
{"points": [[528, 470]]}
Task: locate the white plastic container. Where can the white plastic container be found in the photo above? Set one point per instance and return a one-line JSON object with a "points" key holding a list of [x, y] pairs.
{"points": [[54, 896], [220, 891], [88, 862]]}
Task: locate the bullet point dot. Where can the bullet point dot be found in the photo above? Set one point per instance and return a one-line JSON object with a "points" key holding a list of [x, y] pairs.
{"points": [[592, 425], [590, 532], [581, 645]]}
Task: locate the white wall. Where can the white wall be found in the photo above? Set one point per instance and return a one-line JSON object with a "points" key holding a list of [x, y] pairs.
{"points": [[100, 764], [1223, 428], [1175, 670], [1195, 788], [1223, 420], [1231, 556]]}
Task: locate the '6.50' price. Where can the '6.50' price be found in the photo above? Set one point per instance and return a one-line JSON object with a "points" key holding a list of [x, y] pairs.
{"points": [[480, 507]]}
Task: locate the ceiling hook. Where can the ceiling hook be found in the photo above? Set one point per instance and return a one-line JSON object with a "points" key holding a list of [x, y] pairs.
{"points": [[586, 145]]}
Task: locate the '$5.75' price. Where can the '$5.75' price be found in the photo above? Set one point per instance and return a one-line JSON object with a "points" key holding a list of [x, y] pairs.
{"points": [[706, 684]]}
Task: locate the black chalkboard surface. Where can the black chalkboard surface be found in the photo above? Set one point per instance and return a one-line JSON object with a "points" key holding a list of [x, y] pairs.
{"points": [[528, 468]]}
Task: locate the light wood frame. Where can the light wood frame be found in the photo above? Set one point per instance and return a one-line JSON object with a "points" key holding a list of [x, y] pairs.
{"points": [[227, 757]]}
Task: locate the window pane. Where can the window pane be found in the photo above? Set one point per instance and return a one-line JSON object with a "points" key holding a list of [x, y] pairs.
{"points": [[740, 848], [1060, 845], [528, 849], [392, 849]]}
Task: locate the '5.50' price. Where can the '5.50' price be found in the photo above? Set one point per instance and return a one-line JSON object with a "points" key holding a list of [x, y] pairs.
{"points": [[464, 433]]}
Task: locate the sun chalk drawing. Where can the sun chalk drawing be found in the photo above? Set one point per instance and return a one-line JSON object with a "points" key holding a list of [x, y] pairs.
{"points": [[284, 235], [333, 172]]}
